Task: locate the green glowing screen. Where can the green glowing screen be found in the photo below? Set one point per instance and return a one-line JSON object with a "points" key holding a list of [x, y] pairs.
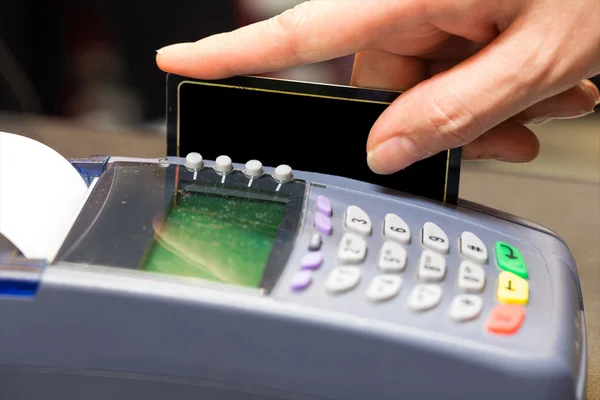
{"points": [[219, 237]]}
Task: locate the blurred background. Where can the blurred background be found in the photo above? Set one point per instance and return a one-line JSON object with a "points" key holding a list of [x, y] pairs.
{"points": [[81, 77], [94, 61]]}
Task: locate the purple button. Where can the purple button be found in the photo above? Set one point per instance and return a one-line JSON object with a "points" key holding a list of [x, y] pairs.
{"points": [[324, 205], [301, 280], [312, 260], [323, 224]]}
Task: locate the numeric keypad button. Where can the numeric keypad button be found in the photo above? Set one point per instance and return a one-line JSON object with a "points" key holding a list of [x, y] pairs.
{"points": [[384, 287], [342, 279], [392, 257], [471, 277], [424, 297], [432, 266], [356, 220], [465, 307], [352, 248], [395, 228], [435, 238], [473, 248]]}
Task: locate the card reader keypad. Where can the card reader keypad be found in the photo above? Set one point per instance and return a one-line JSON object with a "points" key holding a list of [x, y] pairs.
{"points": [[421, 278], [392, 257]]}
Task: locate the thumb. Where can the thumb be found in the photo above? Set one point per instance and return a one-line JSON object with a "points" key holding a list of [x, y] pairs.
{"points": [[455, 107]]}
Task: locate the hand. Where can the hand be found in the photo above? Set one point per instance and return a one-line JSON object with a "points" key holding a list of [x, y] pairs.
{"points": [[476, 71]]}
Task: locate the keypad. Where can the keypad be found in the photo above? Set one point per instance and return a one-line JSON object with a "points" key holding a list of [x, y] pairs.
{"points": [[471, 277], [510, 259], [342, 279], [435, 238], [473, 248], [505, 319], [424, 278], [432, 266], [352, 248], [512, 289], [356, 220], [392, 257], [396, 229], [312, 260], [323, 224], [424, 297], [465, 307], [301, 280], [315, 242], [324, 206], [384, 287]]}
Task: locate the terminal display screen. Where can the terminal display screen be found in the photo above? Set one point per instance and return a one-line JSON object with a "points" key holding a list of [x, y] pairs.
{"points": [[225, 237]]}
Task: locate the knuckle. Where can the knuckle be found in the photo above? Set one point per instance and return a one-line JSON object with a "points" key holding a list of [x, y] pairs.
{"points": [[452, 120], [291, 19], [286, 26]]}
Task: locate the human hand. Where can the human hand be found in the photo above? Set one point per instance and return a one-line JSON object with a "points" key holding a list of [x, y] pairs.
{"points": [[476, 71]]}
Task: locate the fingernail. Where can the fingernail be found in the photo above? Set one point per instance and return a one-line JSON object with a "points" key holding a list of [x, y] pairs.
{"points": [[592, 89], [569, 115], [172, 47], [395, 154]]}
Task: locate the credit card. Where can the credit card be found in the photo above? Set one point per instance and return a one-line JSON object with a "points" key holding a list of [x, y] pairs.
{"points": [[309, 126]]}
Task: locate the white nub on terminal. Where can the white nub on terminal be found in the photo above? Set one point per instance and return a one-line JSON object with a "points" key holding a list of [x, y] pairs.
{"points": [[253, 168], [194, 161], [223, 164], [283, 173]]}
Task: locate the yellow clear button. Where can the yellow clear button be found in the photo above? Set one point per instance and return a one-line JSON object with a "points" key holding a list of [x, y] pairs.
{"points": [[512, 289]]}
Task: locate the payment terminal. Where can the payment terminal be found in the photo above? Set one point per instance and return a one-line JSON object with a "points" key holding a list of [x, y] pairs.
{"points": [[187, 278]]}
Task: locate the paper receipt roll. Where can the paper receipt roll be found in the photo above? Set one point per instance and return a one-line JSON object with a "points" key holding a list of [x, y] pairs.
{"points": [[40, 195]]}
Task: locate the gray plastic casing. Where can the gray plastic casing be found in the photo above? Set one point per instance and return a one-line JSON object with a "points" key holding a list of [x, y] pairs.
{"points": [[93, 332]]}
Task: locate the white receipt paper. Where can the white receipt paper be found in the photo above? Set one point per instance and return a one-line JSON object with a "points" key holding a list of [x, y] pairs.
{"points": [[40, 195]]}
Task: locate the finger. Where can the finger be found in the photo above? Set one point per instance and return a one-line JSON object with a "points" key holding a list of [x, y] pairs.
{"points": [[456, 106], [311, 32], [509, 142], [575, 102], [378, 69]]}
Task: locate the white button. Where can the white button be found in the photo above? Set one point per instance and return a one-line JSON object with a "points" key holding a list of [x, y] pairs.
{"points": [[253, 168], [465, 307], [341, 279], [194, 161], [358, 221], [432, 266], [471, 277], [283, 173], [395, 228], [435, 238], [384, 287], [223, 164], [352, 248], [315, 242], [392, 257], [473, 248], [424, 297]]}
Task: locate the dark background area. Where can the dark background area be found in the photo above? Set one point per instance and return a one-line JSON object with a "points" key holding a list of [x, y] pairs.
{"points": [[49, 41], [96, 59]]}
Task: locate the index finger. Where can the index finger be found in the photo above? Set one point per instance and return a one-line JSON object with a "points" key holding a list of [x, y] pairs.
{"points": [[311, 32]]}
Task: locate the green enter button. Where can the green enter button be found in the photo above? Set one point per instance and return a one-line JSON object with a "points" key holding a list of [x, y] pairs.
{"points": [[510, 259]]}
